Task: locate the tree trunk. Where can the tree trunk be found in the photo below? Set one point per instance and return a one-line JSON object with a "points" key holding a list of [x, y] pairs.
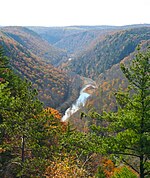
{"points": [[141, 166], [22, 148]]}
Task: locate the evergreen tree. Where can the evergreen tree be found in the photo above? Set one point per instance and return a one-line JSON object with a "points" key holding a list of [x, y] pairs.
{"points": [[27, 133], [126, 133]]}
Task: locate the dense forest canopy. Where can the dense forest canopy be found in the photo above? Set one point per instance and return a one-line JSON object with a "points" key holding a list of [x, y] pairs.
{"points": [[40, 133], [31, 57], [109, 136]]}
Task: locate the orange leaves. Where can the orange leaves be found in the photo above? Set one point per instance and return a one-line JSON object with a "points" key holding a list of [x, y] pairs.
{"points": [[108, 167], [110, 170], [53, 112], [25, 60], [104, 86], [57, 116]]}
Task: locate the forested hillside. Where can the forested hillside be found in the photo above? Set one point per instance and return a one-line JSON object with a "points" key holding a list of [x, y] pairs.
{"points": [[55, 34], [31, 137], [35, 143], [54, 85], [73, 39], [109, 51], [78, 42], [33, 42], [103, 99], [93, 51]]}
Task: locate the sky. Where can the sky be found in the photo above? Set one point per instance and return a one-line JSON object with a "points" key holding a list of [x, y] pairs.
{"points": [[73, 12]]}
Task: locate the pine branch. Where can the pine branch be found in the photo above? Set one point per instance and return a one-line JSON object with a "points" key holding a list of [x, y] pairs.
{"points": [[128, 154], [8, 109], [130, 165]]}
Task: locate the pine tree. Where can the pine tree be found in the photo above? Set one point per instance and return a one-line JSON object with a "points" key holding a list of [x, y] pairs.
{"points": [[27, 133], [126, 133]]}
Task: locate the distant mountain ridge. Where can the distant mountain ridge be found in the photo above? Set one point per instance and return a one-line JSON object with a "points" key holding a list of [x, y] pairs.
{"points": [[75, 39], [71, 38], [56, 59], [33, 42], [54, 85], [107, 52]]}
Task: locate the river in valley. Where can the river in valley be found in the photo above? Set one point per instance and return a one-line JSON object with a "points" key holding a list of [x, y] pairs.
{"points": [[85, 92]]}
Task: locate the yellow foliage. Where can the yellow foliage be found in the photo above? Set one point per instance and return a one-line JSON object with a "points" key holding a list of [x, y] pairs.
{"points": [[66, 168], [2, 150]]}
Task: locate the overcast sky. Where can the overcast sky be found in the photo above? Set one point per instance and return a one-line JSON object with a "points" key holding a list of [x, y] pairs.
{"points": [[74, 12]]}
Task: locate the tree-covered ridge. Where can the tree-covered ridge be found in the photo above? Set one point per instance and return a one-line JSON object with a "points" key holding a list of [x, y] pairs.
{"points": [[103, 99], [33, 42], [31, 138], [76, 39], [23, 129], [55, 34], [110, 82], [124, 134], [79, 42], [108, 52], [34, 143], [53, 84], [127, 132]]}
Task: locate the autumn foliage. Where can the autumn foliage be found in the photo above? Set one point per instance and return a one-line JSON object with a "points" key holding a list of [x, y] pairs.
{"points": [[53, 112]]}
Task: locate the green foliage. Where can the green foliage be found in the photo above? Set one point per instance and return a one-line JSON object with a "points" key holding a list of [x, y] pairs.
{"points": [[30, 137], [124, 173], [126, 132], [3, 59], [27, 134], [100, 173]]}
